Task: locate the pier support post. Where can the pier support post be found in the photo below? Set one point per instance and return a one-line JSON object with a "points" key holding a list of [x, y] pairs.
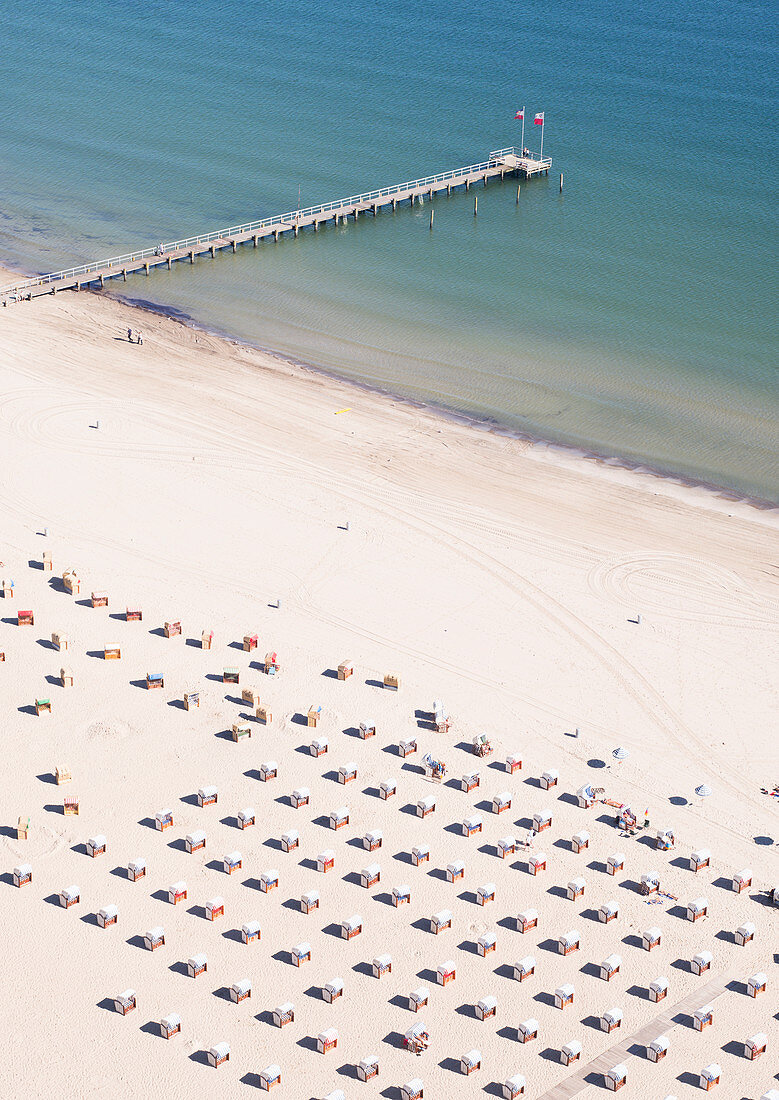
{"points": [[316, 225], [394, 205], [276, 235], [145, 268], [561, 183], [170, 262], [485, 179], [518, 187], [211, 249], [374, 209], [448, 189], [412, 198], [254, 240], [124, 274], [475, 205], [502, 174], [297, 227], [432, 215], [191, 255], [78, 286], [233, 243], [356, 213], [101, 280], [467, 185]]}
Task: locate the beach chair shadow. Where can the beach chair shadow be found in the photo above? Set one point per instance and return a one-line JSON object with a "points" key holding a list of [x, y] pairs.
{"points": [[596, 865], [591, 969], [393, 1039], [385, 899], [351, 731], [398, 1001], [363, 968], [688, 1078], [504, 971], [136, 941], [265, 1017], [27, 709], [544, 998], [333, 930], [550, 1055], [507, 1033], [151, 1027], [54, 809], [250, 1078], [427, 975], [347, 1070], [308, 1042], [54, 899], [107, 1004], [179, 704], [557, 891], [402, 857], [638, 991], [223, 992], [422, 924], [494, 1089], [178, 845], [200, 1056], [178, 967], [592, 1021], [468, 946], [451, 1064], [633, 940], [590, 914], [46, 644], [8, 879]]}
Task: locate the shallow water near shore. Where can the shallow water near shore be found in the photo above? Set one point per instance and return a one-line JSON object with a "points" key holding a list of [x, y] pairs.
{"points": [[633, 315]]}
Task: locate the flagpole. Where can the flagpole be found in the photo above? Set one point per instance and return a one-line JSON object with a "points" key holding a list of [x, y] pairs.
{"points": [[542, 135], [523, 131]]}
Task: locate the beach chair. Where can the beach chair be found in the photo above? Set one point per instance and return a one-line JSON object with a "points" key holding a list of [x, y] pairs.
{"points": [[608, 912], [233, 861], [609, 967], [43, 706], [446, 972], [470, 1062], [506, 846], [107, 916], [351, 927], [699, 860], [332, 990], [651, 938], [269, 881], [657, 1049], [658, 990], [564, 995], [420, 853], [744, 934], [485, 893], [7, 589], [23, 827], [271, 665], [197, 965], [701, 962], [71, 582], [542, 819], [407, 747], [568, 943], [312, 718], [370, 876], [665, 840], [697, 909], [527, 1031], [401, 895], [240, 991], [367, 729], [742, 880], [249, 642], [269, 770], [571, 1052], [381, 965], [215, 907], [471, 825], [251, 932], [347, 772], [616, 1077], [99, 599], [345, 670], [170, 1025], [241, 731], [486, 1008], [309, 902], [470, 782], [525, 968], [710, 1076], [440, 921], [60, 641], [22, 875], [536, 863], [194, 841], [319, 746], [154, 938], [71, 806], [250, 697], [418, 998], [392, 681], [611, 1020], [136, 869], [246, 817], [154, 680], [264, 714], [650, 884], [172, 630], [339, 818], [25, 618], [367, 1068], [372, 840], [412, 1090], [755, 1045], [207, 796], [501, 802], [270, 1076], [125, 1002], [513, 763], [325, 861], [66, 677], [299, 797], [615, 863], [112, 651], [549, 779], [206, 639], [96, 845], [425, 806], [290, 840], [133, 615], [163, 820], [230, 675], [486, 944], [580, 841], [327, 1040], [527, 920], [218, 1055], [756, 983], [575, 889], [62, 775]]}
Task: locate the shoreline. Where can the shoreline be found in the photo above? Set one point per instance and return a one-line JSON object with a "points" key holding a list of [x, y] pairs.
{"points": [[628, 463]]}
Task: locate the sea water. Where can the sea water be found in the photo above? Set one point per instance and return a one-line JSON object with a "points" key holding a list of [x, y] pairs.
{"points": [[633, 315]]}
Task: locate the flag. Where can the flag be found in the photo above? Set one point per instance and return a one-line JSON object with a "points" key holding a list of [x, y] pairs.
{"points": [[520, 114], [539, 119]]}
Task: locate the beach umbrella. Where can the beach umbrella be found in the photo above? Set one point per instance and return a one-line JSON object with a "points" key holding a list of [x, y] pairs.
{"points": [[620, 753], [703, 791]]}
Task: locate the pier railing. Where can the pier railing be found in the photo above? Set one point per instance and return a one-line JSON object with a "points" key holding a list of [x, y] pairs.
{"points": [[263, 224]]}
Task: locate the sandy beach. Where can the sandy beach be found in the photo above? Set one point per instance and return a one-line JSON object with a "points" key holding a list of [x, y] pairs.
{"points": [[563, 606]]}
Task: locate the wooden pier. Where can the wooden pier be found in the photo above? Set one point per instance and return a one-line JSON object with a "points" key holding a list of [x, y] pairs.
{"points": [[500, 163]]}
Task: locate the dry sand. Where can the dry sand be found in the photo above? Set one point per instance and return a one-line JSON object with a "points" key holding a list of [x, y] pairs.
{"points": [[496, 576]]}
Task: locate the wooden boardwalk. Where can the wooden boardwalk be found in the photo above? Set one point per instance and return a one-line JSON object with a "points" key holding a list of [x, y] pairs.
{"points": [[500, 163], [593, 1071]]}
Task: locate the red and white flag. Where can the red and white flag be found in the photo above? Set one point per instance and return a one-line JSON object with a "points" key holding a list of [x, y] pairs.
{"points": [[539, 119], [520, 114]]}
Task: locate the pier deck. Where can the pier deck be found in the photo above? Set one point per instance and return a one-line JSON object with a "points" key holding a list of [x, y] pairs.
{"points": [[500, 163]]}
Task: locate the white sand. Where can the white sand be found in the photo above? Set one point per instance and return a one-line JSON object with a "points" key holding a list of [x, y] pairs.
{"points": [[495, 576]]}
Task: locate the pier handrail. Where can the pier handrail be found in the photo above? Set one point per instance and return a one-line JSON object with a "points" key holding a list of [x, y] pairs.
{"points": [[279, 220]]}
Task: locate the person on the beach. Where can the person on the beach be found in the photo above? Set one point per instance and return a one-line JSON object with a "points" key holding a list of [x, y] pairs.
{"points": [[140, 338], [130, 335]]}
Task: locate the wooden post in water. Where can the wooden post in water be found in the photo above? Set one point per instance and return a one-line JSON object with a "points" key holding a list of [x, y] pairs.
{"points": [[518, 187], [124, 274], [432, 215], [145, 268], [475, 205], [170, 262], [297, 227], [191, 255], [561, 183], [233, 244], [254, 240], [211, 250]]}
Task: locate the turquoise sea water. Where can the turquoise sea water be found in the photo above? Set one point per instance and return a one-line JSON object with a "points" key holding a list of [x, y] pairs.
{"points": [[634, 316]]}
